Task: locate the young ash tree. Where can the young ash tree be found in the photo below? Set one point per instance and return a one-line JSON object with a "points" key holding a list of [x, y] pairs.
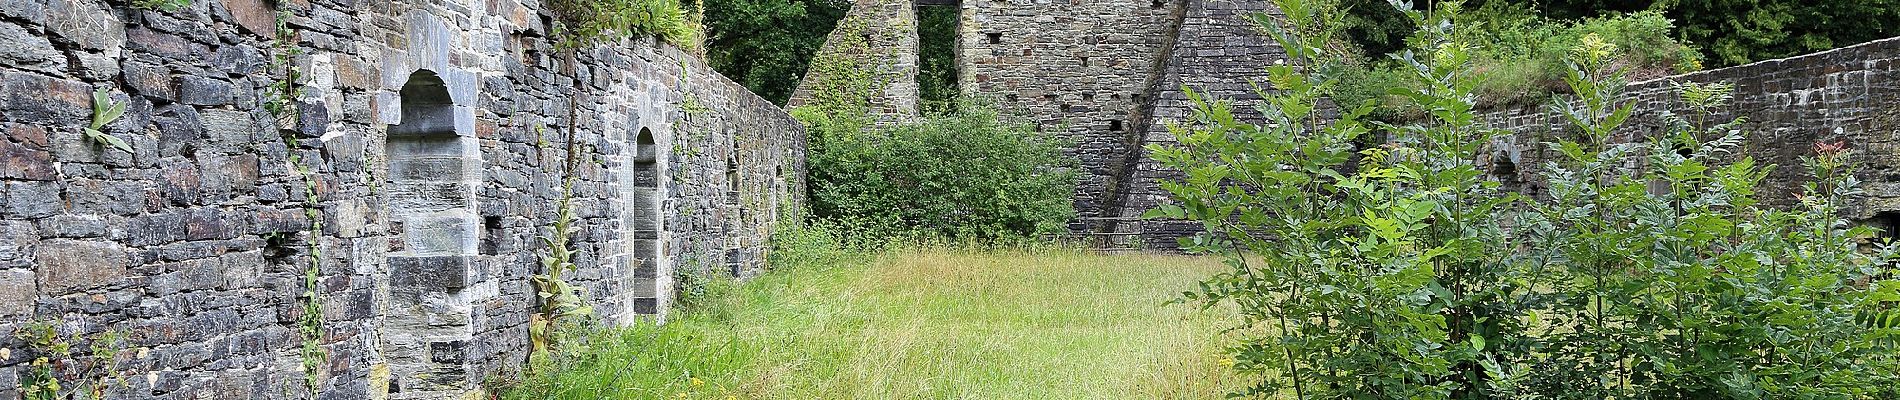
{"points": [[1400, 270]]}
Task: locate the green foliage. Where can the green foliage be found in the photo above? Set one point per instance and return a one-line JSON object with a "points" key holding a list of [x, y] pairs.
{"points": [[560, 307], [590, 22], [1733, 32], [281, 101], [162, 5], [928, 323], [96, 369], [968, 175], [104, 111], [767, 45], [1521, 56], [1401, 271], [937, 58]]}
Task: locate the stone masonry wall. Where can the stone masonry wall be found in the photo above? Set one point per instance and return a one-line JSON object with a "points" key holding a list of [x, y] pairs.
{"points": [[1082, 68], [879, 36], [435, 134], [1220, 53], [1850, 94]]}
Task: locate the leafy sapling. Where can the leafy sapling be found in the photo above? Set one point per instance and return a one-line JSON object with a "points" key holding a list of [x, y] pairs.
{"points": [[104, 111]]}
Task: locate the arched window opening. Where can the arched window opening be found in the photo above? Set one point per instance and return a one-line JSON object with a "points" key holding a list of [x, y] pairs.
{"points": [[646, 220]]}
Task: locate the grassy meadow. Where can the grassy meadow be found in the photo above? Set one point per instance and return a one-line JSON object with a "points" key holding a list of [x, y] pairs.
{"points": [[921, 324]]}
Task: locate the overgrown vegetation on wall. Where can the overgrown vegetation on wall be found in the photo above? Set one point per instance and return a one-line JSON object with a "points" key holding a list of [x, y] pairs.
{"points": [[767, 45], [1401, 271], [1520, 56], [590, 22]]}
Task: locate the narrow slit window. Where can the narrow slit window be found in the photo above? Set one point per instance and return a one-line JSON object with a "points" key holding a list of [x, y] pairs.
{"points": [[995, 37]]}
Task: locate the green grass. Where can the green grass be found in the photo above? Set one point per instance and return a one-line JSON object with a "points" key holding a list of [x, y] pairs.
{"points": [[922, 324]]}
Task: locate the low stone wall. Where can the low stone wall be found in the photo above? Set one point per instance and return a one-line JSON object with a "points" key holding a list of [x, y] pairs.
{"points": [[434, 136], [1850, 94]]}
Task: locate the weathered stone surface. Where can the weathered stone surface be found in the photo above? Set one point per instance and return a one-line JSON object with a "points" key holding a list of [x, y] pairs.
{"points": [[37, 99], [87, 23], [66, 265], [33, 199], [254, 15], [150, 80], [201, 91], [17, 238], [17, 292], [17, 161], [28, 50], [74, 226]]}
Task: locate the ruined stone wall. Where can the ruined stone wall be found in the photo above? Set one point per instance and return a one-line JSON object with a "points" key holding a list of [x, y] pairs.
{"points": [[872, 53], [1079, 68], [1220, 52], [434, 134], [1850, 94]]}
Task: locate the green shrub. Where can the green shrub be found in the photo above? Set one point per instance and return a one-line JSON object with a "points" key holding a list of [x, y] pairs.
{"points": [[590, 22], [967, 174], [1402, 271], [1521, 56]]}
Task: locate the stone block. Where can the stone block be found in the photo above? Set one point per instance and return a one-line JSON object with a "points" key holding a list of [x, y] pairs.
{"points": [[87, 23], [28, 50], [45, 101], [165, 45], [441, 273], [238, 59], [17, 293], [201, 91], [153, 229], [31, 199], [206, 223], [33, 11], [18, 161], [150, 80], [179, 182], [64, 265], [74, 226]]}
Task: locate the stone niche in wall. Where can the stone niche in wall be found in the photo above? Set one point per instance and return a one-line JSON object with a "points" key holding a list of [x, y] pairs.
{"points": [[433, 240]]}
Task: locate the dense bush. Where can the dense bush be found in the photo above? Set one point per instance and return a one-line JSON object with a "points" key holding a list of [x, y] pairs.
{"points": [[1521, 56], [1401, 271], [968, 174], [589, 22]]}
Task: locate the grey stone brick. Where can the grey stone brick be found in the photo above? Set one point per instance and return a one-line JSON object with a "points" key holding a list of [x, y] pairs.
{"points": [[74, 226], [17, 293], [36, 99], [19, 161], [28, 50], [87, 23], [64, 265], [28, 199], [196, 90]]}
